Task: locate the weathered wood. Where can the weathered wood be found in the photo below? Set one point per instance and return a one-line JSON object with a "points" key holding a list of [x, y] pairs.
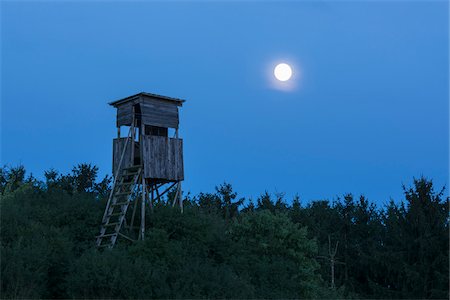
{"points": [[151, 200], [153, 111], [163, 158], [160, 105], [125, 114], [154, 118], [179, 156], [151, 160], [158, 196], [121, 184], [133, 215], [145, 95], [181, 197], [166, 190], [127, 237], [161, 120], [142, 229], [117, 209], [133, 137], [176, 195], [118, 145]]}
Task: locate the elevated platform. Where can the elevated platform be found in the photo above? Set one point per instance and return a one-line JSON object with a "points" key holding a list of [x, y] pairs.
{"points": [[162, 157]]}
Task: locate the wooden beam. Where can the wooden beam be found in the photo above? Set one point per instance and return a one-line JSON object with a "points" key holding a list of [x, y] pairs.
{"points": [[157, 193], [151, 200], [127, 237], [115, 181], [133, 215], [181, 197], [143, 208], [141, 147], [176, 196], [166, 190], [132, 138]]}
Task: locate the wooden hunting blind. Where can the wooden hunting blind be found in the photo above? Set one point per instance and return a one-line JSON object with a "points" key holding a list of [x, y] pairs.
{"points": [[162, 156], [144, 162]]}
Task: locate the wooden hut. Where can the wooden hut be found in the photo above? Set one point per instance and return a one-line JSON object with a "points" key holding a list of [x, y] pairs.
{"points": [[148, 161], [153, 116]]}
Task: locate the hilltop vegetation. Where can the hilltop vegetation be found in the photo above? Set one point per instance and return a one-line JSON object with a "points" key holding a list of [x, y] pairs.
{"points": [[221, 246]]}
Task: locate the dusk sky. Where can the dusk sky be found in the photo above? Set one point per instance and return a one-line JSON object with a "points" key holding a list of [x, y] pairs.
{"points": [[367, 108]]}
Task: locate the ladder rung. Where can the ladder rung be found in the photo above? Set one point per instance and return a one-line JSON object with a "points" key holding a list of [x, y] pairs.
{"points": [[106, 235], [111, 224], [124, 183], [122, 188], [123, 194], [116, 214], [127, 237], [130, 174]]}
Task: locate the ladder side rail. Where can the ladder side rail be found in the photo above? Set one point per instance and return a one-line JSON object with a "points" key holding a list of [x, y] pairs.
{"points": [[109, 209], [124, 209], [115, 177]]}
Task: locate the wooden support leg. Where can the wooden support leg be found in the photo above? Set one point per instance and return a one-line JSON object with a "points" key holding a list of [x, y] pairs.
{"points": [[142, 231], [180, 194], [149, 193], [133, 215], [153, 193], [158, 196], [133, 134], [176, 196]]}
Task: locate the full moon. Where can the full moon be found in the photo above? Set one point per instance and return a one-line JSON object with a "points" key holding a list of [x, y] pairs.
{"points": [[282, 72]]}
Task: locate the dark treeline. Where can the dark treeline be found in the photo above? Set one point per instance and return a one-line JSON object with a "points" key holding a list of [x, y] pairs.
{"points": [[222, 246]]}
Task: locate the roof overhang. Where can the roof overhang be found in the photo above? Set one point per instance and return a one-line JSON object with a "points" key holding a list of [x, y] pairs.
{"points": [[144, 95]]}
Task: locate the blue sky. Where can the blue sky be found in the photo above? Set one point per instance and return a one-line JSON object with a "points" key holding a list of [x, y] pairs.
{"points": [[367, 108]]}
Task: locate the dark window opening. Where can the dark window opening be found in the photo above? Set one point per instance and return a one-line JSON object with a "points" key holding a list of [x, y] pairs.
{"points": [[155, 130], [137, 154], [137, 114]]}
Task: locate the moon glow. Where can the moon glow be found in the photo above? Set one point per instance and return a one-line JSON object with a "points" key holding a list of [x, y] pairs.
{"points": [[282, 72]]}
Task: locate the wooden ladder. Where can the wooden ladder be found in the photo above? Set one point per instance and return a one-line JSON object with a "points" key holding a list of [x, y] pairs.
{"points": [[116, 209]]}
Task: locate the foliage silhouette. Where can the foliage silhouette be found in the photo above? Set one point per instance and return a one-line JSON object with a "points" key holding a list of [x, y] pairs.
{"points": [[222, 246]]}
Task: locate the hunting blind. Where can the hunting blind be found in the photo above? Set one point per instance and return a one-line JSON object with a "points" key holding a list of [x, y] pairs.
{"points": [[147, 163]]}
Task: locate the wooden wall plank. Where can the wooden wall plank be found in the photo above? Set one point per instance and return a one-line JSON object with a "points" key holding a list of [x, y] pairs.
{"points": [[180, 163], [163, 158], [153, 112], [125, 114], [118, 145], [158, 117]]}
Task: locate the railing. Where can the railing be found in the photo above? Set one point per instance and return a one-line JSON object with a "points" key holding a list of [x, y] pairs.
{"points": [[162, 158]]}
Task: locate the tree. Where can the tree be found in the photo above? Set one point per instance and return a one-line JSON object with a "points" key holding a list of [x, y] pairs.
{"points": [[221, 202], [417, 243], [275, 255], [216, 250], [11, 178]]}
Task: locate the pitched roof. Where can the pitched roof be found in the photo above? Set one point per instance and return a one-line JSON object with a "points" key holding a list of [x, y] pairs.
{"points": [[179, 102]]}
